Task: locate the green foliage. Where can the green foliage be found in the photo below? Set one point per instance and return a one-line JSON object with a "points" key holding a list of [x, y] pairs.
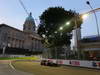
{"points": [[19, 58], [50, 22]]}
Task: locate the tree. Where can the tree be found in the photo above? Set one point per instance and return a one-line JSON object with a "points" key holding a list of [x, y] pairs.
{"points": [[50, 22]]}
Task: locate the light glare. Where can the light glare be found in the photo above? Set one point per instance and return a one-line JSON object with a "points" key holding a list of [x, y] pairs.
{"points": [[84, 16], [67, 23], [61, 28]]}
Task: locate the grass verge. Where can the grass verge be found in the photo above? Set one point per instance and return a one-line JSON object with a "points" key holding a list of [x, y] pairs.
{"points": [[36, 69], [19, 58]]}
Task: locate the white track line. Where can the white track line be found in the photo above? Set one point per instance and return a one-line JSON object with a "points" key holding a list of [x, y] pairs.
{"points": [[10, 64]]}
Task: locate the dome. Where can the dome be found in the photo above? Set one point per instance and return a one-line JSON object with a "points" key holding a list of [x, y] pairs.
{"points": [[30, 18], [29, 24]]}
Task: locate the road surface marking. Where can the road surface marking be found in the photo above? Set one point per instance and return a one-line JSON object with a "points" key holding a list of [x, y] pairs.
{"points": [[10, 64]]}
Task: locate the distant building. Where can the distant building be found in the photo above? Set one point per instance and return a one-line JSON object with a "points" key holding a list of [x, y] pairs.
{"points": [[26, 39], [90, 46]]}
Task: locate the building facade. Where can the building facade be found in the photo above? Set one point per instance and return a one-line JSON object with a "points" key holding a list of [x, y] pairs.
{"points": [[25, 39], [87, 47], [90, 46]]}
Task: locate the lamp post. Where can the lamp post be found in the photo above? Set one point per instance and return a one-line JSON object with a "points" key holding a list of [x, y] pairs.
{"points": [[88, 3], [61, 28]]}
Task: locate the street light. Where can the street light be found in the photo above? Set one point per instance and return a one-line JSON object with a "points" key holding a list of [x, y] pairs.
{"points": [[61, 28], [88, 3], [67, 23], [84, 16]]}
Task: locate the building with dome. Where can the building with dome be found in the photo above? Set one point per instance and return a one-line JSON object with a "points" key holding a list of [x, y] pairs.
{"points": [[21, 39]]}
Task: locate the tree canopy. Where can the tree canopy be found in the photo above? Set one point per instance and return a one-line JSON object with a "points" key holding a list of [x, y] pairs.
{"points": [[52, 20]]}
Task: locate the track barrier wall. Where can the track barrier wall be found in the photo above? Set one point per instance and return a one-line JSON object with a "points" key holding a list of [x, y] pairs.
{"points": [[79, 63]]}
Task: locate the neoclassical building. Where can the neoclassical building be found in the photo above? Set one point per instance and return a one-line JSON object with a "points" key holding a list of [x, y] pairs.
{"points": [[26, 38]]}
